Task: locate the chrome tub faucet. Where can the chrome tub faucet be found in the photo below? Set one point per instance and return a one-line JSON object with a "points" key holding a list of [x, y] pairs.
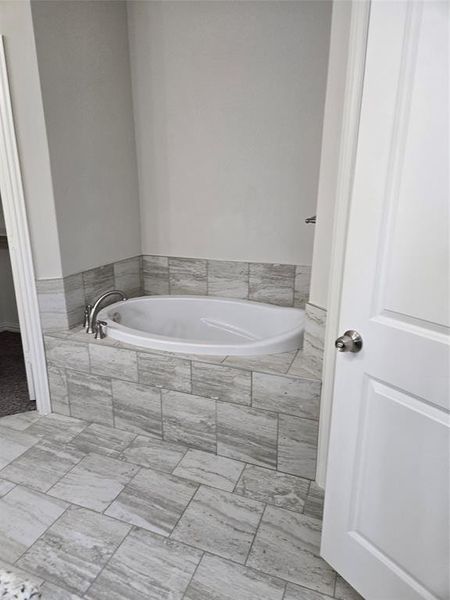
{"points": [[90, 314]]}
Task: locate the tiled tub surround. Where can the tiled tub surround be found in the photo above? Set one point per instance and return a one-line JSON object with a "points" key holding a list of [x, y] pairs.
{"points": [[62, 301], [261, 410], [131, 517], [314, 338]]}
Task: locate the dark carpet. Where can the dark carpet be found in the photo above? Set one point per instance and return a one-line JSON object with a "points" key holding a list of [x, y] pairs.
{"points": [[14, 396]]}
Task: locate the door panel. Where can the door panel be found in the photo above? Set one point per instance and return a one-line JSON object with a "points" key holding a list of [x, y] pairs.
{"points": [[387, 502]]}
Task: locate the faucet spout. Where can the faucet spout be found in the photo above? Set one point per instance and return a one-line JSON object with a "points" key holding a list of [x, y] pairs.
{"points": [[92, 311]]}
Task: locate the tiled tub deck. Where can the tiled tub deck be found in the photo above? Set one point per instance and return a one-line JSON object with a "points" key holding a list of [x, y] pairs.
{"points": [[261, 410], [94, 512]]}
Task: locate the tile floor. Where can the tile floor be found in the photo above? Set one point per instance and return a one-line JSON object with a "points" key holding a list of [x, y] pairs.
{"points": [[92, 512]]}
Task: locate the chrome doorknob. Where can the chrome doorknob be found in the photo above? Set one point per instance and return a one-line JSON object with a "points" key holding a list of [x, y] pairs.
{"points": [[351, 341]]}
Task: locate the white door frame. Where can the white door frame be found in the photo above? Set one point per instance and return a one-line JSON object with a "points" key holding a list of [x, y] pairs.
{"points": [[349, 137], [19, 247]]}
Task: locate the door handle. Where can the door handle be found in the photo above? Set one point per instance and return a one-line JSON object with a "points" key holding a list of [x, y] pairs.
{"points": [[351, 341]]}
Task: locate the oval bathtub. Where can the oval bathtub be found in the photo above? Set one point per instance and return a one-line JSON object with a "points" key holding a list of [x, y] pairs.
{"points": [[204, 325]]}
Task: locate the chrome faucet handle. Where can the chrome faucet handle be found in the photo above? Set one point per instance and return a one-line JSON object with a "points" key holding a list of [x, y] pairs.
{"points": [[100, 330], [87, 315]]}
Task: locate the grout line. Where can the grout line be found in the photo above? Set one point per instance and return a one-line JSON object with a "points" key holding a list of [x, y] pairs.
{"points": [[255, 534], [193, 575]]}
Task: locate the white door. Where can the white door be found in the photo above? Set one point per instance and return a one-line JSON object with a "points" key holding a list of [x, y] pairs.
{"points": [[386, 523]]}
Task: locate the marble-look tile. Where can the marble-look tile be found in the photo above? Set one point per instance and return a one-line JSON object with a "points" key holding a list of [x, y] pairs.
{"points": [[75, 302], [269, 363], [137, 408], [219, 579], [113, 362], [20, 421], [24, 575], [154, 453], [247, 434], [52, 304], [221, 383], [127, 276], [297, 446], [314, 501], [156, 275], [5, 487], [189, 419], [302, 285], [314, 338], [66, 352], [228, 279], [220, 522], [57, 428], [153, 501], [24, 516], [273, 487], [300, 367], [97, 281], [188, 276], [107, 441], [13, 443], [164, 371], [290, 395], [212, 470], [287, 545], [75, 549], [272, 283], [59, 396], [54, 592], [146, 567], [90, 397], [94, 482], [41, 466], [295, 592], [344, 591]]}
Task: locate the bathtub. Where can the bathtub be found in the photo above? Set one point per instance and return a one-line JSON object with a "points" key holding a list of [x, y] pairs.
{"points": [[204, 325]]}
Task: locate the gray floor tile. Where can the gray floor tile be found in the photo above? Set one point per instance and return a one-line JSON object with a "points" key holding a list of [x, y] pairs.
{"points": [[20, 421], [14, 443], [103, 440], [42, 465], [153, 500], [314, 501], [75, 549], [5, 487], [94, 482], [189, 419], [295, 592], [220, 522], [146, 567], [287, 545], [57, 428], [137, 407], [221, 383], [54, 592], [297, 446], [273, 487], [344, 590], [24, 516], [154, 453], [212, 470], [247, 434], [219, 579], [290, 395]]}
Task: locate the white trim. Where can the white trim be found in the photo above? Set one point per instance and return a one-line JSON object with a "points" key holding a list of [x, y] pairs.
{"points": [[351, 114], [20, 248], [9, 326]]}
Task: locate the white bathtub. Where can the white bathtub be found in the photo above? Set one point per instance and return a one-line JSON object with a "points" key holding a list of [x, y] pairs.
{"points": [[204, 325]]}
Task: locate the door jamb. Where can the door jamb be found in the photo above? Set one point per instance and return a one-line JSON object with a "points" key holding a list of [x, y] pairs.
{"points": [[19, 245], [347, 154]]}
